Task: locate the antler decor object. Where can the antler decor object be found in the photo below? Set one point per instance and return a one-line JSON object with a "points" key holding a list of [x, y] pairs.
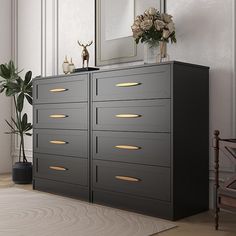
{"points": [[85, 53]]}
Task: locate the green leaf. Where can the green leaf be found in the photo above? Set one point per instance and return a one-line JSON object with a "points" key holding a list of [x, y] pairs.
{"points": [[15, 123], [20, 82], [10, 92], [24, 122], [13, 85], [28, 127], [28, 77], [20, 102], [2, 88], [4, 72], [29, 86], [30, 93], [12, 132], [10, 125], [29, 99], [11, 66]]}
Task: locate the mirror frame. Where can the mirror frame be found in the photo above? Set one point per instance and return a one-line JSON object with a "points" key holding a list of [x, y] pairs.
{"points": [[137, 49]]}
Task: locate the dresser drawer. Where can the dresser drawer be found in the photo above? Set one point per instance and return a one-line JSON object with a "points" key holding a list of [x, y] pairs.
{"points": [[61, 116], [61, 90], [62, 188], [141, 148], [59, 168], [139, 83], [149, 115], [141, 180], [61, 142]]}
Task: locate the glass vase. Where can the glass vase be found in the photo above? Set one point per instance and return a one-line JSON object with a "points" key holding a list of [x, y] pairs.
{"points": [[150, 53], [162, 55]]}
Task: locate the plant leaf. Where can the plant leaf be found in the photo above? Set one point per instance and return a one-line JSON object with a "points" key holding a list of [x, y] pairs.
{"points": [[2, 88], [15, 123], [29, 86], [20, 102], [9, 92], [4, 71], [28, 127], [24, 122], [10, 125], [29, 99], [28, 77]]}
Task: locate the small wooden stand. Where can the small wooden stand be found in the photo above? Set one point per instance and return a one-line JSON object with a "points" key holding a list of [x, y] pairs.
{"points": [[225, 194], [77, 70]]}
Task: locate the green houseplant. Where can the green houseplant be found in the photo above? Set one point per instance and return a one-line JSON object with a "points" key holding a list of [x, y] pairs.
{"points": [[20, 90]]}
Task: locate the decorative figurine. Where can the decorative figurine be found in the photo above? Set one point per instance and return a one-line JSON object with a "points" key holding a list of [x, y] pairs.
{"points": [[85, 53], [65, 66], [71, 66]]}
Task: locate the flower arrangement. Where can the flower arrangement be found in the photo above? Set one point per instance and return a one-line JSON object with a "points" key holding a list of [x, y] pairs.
{"points": [[153, 27]]}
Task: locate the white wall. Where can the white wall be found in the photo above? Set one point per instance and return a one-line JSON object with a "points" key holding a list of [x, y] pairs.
{"points": [[27, 50], [46, 31], [205, 34], [5, 103]]}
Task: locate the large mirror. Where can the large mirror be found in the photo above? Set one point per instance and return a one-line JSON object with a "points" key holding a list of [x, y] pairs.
{"points": [[114, 41]]}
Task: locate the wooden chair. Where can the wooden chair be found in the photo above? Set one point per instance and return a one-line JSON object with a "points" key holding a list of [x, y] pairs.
{"points": [[226, 193]]}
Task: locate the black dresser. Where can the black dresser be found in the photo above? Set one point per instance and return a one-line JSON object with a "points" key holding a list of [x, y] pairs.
{"points": [[134, 138]]}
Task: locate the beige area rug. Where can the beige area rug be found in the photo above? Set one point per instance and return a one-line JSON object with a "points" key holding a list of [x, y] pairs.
{"points": [[27, 213]]}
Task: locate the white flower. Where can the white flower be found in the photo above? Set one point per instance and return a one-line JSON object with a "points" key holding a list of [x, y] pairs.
{"points": [[137, 33], [134, 27], [152, 11], [166, 18], [171, 27], [146, 12], [146, 24], [137, 22], [159, 24], [139, 18], [165, 34], [147, 17]]}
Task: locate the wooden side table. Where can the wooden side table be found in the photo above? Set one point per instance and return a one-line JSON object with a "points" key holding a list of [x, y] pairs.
{"points": [[226, 193]]}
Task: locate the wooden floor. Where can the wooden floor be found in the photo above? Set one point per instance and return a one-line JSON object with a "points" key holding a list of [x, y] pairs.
{"points": [[197, 225]]}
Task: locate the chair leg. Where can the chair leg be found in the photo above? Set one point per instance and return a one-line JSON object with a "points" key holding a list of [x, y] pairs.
{"points": [[216, 218], [216, 152]]}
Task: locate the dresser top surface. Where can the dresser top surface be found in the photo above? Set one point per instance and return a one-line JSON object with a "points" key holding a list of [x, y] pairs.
{"points": [[124, 67]]}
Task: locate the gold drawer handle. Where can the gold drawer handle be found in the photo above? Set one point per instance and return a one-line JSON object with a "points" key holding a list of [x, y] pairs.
{"points": [[58, 116], [128, 147], [59, 168], [128, 116], [58, 90], [57, 142], [128, 84], [127, 178]]}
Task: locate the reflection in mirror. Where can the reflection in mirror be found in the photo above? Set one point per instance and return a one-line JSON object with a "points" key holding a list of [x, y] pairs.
{"points": [[114, 40], [119, 16]]}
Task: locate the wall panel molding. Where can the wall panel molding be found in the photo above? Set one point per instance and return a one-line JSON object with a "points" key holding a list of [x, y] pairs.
{"points": [[234, 71], [14, 56], [55, 69], [43, 37], [49, 46], [14, 31], [17, 10]]}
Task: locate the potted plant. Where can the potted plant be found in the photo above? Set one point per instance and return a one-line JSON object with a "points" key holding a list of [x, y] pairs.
{"points": [[20, 90]]}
